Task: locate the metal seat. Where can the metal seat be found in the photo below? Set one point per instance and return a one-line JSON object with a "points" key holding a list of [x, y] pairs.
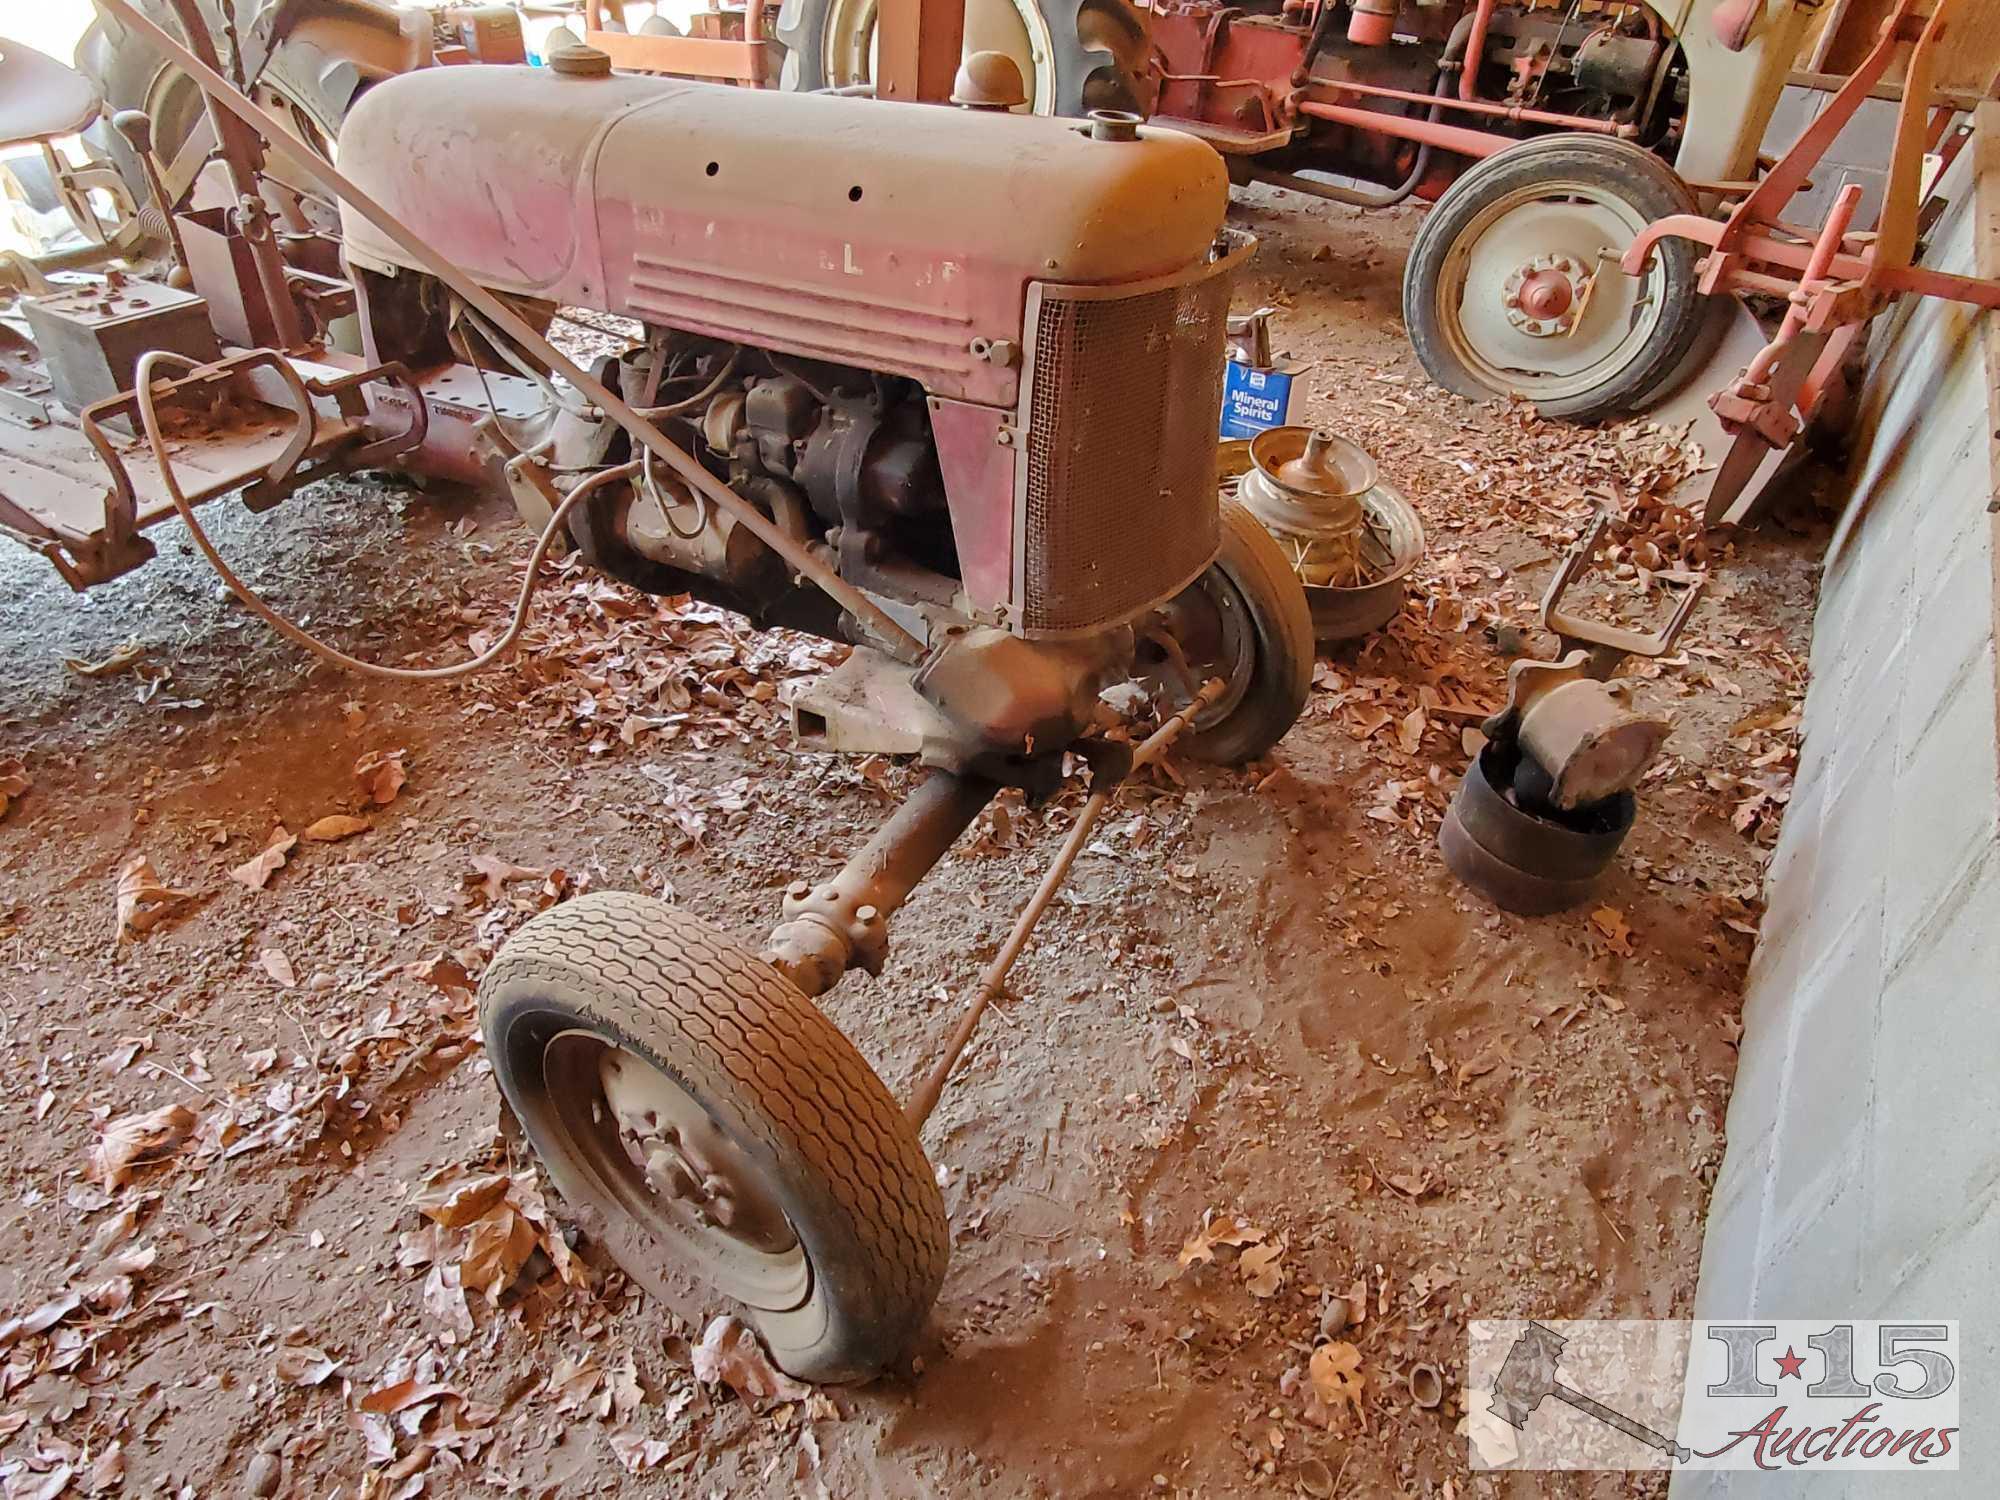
{"points": [[40, 98]]}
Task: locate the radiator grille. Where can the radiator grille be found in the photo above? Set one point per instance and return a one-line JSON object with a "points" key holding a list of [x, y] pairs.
{"points": [[1121, 494]]}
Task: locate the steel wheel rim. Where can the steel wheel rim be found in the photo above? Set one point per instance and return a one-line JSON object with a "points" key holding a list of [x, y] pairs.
{"points": [[1616, 323], [1015, 27], [765, 1268], [1210, 621]]}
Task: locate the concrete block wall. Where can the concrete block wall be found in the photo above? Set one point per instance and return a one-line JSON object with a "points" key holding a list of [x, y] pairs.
{"points": [[1862, 1171]]}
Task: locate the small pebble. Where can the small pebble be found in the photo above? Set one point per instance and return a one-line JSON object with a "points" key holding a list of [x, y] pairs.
{"points": [[262, 1476], [1333, 1319], [1165, 1005]]}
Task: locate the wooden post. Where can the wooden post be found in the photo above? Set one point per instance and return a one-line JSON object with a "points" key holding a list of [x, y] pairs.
{"points": [[917, 46]]}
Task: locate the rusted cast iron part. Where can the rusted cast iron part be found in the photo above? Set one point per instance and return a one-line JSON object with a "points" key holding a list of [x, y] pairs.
{"points": [[877, 622], [1577, 724], [315, 447], [1544, 806], [844, 922], [146, 396], [926, 1097], [1836, 281], [1608, 645], [1522, 860]]}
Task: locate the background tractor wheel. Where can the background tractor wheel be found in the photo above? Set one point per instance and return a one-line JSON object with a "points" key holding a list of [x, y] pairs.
{"points": [[1513, 286], [1246, 621], [712, 1127], [310, 84], [1074, 55]]}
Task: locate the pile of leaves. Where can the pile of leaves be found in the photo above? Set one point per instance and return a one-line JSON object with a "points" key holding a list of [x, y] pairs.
{"points": [[614, 666]]}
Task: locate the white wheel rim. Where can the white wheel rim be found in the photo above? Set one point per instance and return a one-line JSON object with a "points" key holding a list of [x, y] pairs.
{"points": [[1615, 318], [1015, 27]]}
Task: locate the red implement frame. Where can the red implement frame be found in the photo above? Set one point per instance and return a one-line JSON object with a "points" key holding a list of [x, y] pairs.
{"points": [[1836, 278]]}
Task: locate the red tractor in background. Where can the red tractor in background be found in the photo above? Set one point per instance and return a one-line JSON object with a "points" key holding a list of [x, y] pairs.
{"points": [[1634, 110]]}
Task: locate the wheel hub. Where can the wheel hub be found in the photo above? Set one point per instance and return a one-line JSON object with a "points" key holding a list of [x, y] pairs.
{"points": [[682, 1158], [1202, 632], [1544, 296]]}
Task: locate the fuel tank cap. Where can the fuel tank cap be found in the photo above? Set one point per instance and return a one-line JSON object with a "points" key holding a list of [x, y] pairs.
{"points": [[580, 62]]}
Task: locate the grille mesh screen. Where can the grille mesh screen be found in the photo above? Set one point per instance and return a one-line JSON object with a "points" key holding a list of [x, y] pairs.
{"points": [[1121, 451]]}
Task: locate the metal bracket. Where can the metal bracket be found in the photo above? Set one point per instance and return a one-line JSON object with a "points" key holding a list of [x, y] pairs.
{"points": [[1608, 645]]}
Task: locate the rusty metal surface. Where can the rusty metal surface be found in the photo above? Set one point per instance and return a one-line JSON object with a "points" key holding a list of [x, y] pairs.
{"points": [[1118, 505], [843, 922], [90, 337], [1519, 861], [1834, 281], [979, 480], [845, 229]]}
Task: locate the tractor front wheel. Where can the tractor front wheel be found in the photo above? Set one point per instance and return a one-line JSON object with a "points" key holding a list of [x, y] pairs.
{"points": [[1245, 621], [1513, 286], [715, 1131]]}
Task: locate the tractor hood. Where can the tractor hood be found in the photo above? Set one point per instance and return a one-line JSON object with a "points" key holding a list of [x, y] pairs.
{"points": [[896, 236]]}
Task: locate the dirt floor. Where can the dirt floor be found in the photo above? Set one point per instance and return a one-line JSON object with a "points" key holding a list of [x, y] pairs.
{"points": [[1264, 1052]]}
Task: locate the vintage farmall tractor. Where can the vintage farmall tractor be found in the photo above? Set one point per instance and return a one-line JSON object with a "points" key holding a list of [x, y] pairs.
{"points": [[935, 382]]}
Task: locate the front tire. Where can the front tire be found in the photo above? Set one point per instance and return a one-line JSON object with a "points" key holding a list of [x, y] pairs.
{"points": [[1246, 621], [715, 1130], [1513, 286]]}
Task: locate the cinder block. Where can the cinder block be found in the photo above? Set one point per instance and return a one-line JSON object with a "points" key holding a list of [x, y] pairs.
{"points": [[1863, 615], [1943, 807], [1814, 1258], [1829, 1075], [1732, 1245], [1957, 1280], [1933, 1149], [1855, 824], [1951, 625], [1763, 1056], [1954, 516]]}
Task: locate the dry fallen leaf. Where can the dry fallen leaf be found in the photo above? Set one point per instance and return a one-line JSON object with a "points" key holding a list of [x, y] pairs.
{"points": [[302, 1364], [128, 655], [1335, 1383], [40, 1320], [256, 871], [574, 1383], [1223, 1229], [107, 1470], [143, 902], [491, 873], [729, 1354], [1261, 1268], [380, 775], [13, 782], [404, 1394], [279, 967], [459, 1203], [336, 826], [138, 1139], [638, 1453], [1610, 921]]}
